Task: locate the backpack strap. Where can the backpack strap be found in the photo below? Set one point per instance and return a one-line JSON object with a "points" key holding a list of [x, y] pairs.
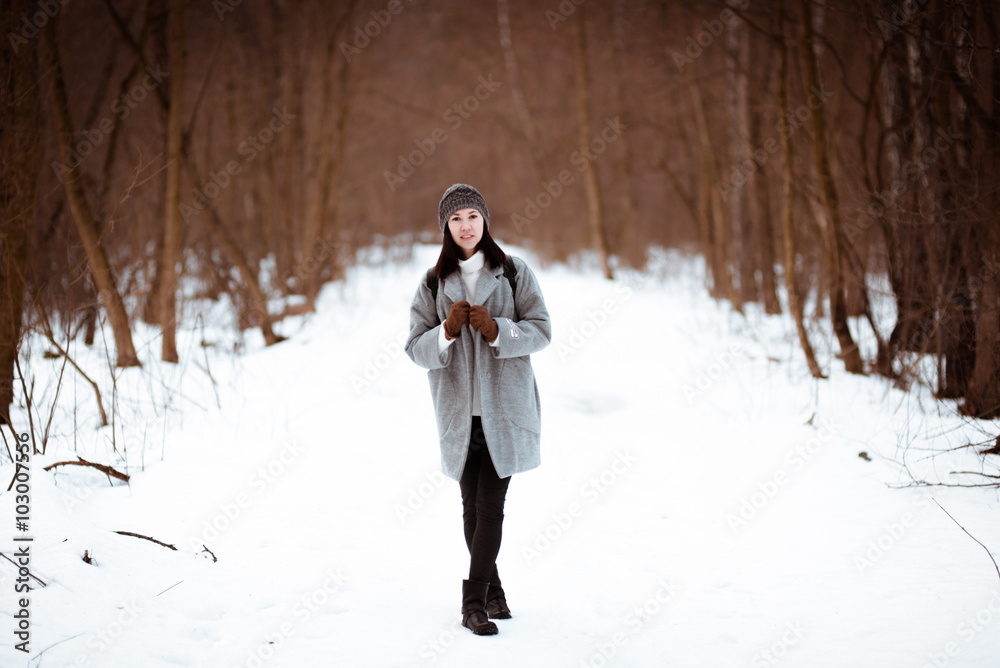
{"points": [[432, 283], [510, 273]]}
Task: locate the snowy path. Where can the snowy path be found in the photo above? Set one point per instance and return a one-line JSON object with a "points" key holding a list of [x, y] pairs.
{"points": [[685, 513]]}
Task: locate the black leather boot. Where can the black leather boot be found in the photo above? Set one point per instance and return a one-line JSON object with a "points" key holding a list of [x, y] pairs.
{"points": [[474, 615], [496, 603]]}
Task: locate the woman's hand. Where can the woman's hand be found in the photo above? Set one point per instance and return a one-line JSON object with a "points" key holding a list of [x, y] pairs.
{"points": [[479, 318], [458, 316]]}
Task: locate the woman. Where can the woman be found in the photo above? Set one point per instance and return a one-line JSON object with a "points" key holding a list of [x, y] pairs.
{"points": [[475, 319]]}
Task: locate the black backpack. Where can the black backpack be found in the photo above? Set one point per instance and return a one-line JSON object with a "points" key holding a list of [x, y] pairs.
{"points": [[509, 272]]}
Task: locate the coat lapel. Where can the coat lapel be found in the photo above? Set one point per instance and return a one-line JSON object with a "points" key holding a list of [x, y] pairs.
{"points": [[488, 282], [454, 289]]}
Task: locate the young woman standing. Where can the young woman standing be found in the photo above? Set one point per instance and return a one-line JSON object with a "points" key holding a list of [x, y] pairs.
{"points": [[475, 319]]}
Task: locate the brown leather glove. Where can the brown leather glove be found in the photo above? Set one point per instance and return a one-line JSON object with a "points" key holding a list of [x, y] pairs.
{"points": [[458, 316], [479, 318]]}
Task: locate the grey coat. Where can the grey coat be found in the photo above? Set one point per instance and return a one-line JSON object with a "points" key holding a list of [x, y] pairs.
{"points": [[511, 410]]}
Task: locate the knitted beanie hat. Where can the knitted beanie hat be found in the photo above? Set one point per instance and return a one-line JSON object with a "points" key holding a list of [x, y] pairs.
{"points": [[461, 196]]}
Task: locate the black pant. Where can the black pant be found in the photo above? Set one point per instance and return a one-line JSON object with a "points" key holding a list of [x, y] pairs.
{"points": [[483, 495]]}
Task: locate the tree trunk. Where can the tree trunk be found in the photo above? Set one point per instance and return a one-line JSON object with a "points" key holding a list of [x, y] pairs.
{"points": [[535, 148], [761, 213], [19, 142], [631, 236], [760, 210], [321, 222], [791, 277], [714, 228], [173, 222], [849, 351], [86, 225], [737, 104], [982, 398], [595, 211], [258, 302]]}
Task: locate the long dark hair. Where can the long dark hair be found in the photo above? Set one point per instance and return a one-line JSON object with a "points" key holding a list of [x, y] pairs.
{"points": [[451, 253]]}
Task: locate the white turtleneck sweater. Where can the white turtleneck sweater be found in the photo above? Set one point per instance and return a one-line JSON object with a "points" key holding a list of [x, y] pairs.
{"points": [[470, 270]]}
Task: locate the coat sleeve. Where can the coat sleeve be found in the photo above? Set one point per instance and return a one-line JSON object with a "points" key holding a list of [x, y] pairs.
{"points": [[533, 331], [422, 344]]}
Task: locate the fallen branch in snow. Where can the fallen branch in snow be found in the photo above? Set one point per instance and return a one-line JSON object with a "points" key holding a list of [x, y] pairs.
{"points": [[107, 470], [922, 483], [985, 475], [214, 558], [151, 540], [971, 536], [16, 565]]}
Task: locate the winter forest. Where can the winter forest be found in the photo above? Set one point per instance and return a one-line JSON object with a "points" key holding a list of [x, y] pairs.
{"points": [[768, 236]]}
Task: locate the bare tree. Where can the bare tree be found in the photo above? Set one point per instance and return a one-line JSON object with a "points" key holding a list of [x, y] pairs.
{"points": [[86, 225], [714, 229], [595, 207], [791, 277], [19, 157], [982, 397], [535, 148], [337, 98], [830, 222], [173, 223]]}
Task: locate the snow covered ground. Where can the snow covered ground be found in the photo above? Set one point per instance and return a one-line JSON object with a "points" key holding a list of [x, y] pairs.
{"points": [[701, 501]]}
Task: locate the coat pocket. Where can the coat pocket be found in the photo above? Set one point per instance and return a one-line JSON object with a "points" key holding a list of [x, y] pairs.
{"points": [[443, 394], [519, 394]]}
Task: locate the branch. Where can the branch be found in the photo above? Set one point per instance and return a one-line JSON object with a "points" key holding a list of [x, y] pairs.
{"points": [[107, 470], [971, 536], [18, 566], [47, 330], [985, 475], [151, 540]]}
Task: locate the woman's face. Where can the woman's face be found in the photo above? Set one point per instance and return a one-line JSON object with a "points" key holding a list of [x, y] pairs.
{"points": [[466, 227]]}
